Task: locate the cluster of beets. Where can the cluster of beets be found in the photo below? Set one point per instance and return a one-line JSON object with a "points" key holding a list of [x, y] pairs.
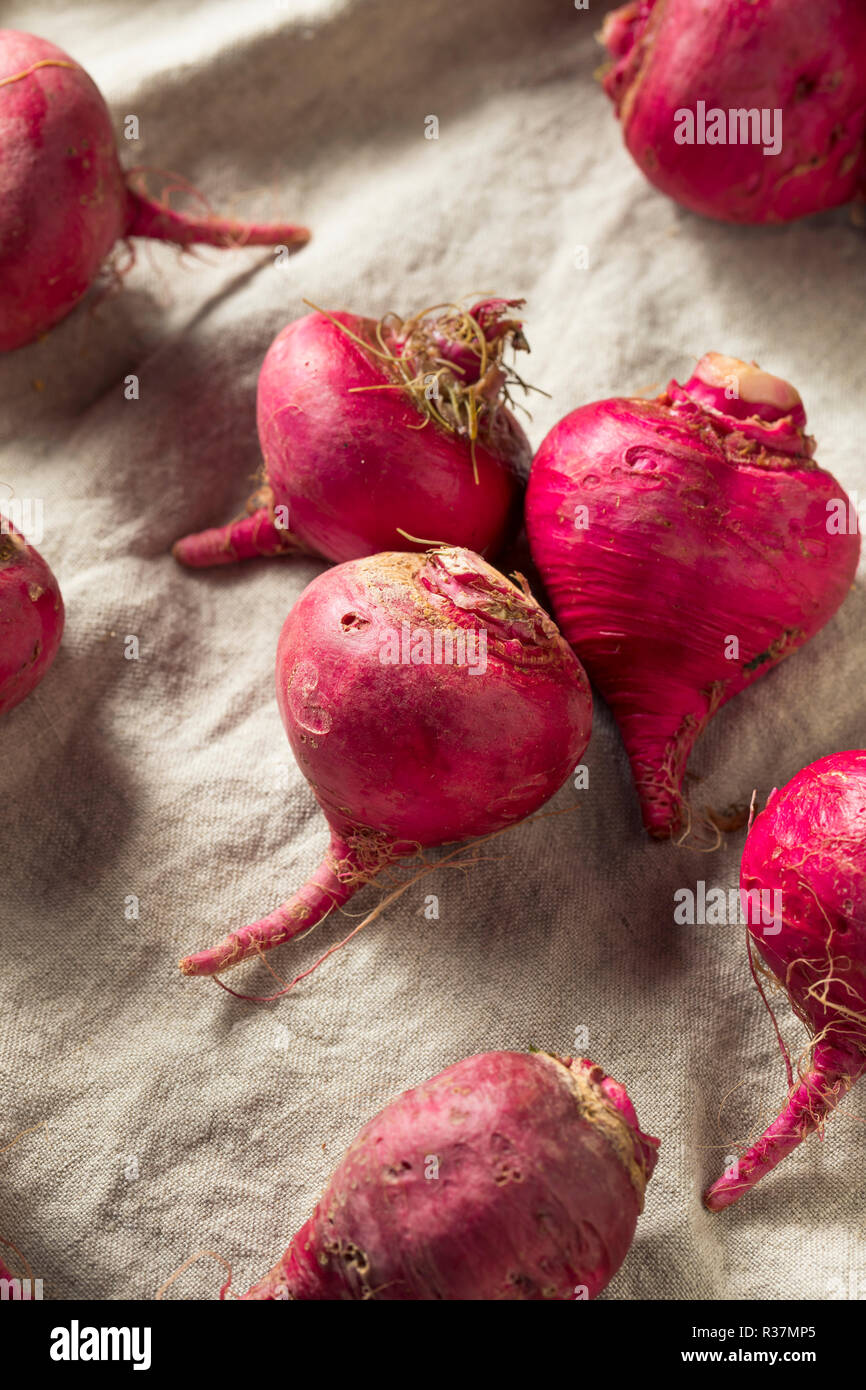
{"points": [[661, 530]]}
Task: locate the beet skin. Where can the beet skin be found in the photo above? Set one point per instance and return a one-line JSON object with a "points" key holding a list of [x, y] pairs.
{"points": [[805, 856], [65, 200], [752, 75], [382, 436], [508, 1176], [31, 617], [688, 545], [404, 750]]}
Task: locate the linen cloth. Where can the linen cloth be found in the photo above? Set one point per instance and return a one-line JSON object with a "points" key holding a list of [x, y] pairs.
{"points": [[169, 1116]]}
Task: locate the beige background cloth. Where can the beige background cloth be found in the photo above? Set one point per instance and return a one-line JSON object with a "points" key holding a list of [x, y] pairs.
{"points": [[171, 1116]]}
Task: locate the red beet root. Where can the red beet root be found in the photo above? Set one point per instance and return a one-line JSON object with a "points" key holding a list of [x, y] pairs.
{"points": [[688, 544], [803, 881], [702, 90], [64, 199], [31, 617], [382, 436], [406, 742], [505, 1177]]}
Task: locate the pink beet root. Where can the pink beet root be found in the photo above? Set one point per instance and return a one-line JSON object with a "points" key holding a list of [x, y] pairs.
{"points": [[688, 544], [382, 436], [805, 855], [31, 617], [64, 199], [540, 1174], [403, 747], [808, 62]]}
